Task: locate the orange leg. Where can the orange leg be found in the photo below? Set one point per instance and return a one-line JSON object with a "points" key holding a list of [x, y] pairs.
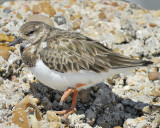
{"points": [[64, 97], [74, 98], [69, 91], [73, 109]]}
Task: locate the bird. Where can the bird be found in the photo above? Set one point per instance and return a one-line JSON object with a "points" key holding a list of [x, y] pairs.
{"points": [[68, 61]]}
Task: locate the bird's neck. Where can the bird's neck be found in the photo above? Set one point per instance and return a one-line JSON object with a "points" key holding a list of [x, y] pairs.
{"points": [[29, 56]]}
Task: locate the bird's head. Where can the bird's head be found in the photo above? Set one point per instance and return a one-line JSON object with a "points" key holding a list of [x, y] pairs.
{"points": [[31, 33]]}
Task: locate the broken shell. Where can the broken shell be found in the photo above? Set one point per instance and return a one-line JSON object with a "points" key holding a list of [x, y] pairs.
{"points": [[34, 122], [52, 117], [36, 100], [20, 118], [54, 125], [153, 75], [28, 101], [5, 54], [5, 38], [155, 60], [4, 50], [44, 7]]}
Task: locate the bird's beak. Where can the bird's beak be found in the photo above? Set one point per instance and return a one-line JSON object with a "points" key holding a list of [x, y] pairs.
{"points": [[16, 41]]}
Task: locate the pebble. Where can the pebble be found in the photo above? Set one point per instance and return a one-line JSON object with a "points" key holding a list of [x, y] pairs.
{"points": [[6, 10], [44, 7], [61, 10], [52, 117], [152, 24], [127, 88], [60, 20], [102, 15], [19, 16], [5, 29], [119, 37], [157, 121], [76, 25], [41, 18], [156, 13], [6, 38], [54, 125], [27, 9], [134, 6], [79, 15], [143, 34], [155, 93], [147, 110], [4, 50], [121, 8], [153, 75], [147, 126], [140, 118], [72, 18], [4, 53], [72, 1], [46, 103], [115, 4], [6, 21], [133, 123], [85, 96], [155, 60], [120, 106]]}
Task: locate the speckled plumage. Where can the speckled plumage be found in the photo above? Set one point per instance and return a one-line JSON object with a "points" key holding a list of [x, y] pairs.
{"points": [[68, 61], [67, 51], [62, 59]]}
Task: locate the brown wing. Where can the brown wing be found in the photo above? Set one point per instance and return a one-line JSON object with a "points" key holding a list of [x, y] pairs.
{"points": [[72, 51]]}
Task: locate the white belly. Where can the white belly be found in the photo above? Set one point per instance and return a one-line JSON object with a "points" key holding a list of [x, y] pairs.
{"points": [[62, 81]]}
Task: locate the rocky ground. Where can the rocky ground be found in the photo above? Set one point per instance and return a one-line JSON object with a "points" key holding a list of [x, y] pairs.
{"points": [[127, 101]]}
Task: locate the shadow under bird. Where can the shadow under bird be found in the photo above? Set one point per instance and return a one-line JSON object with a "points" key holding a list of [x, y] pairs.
{"points": [[68, 61]]}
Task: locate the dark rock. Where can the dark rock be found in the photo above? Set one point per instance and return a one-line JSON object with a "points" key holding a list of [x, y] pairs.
{"points": [[6, 10], [46, 103], [85, 96], [135, 6], [60, 20], [90, 116]]}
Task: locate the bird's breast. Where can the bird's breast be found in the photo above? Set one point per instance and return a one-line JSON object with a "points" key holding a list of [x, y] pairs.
{"points": [[29, 57]]}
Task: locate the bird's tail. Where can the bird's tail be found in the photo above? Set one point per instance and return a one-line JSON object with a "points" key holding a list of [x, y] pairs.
{"points": [[120, 61]]}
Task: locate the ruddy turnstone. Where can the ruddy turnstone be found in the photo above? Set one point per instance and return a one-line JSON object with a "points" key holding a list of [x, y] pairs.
{"points": [[68, 61]]}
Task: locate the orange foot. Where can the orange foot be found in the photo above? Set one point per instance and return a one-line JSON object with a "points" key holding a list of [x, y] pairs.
{"points": [[64, 97]]}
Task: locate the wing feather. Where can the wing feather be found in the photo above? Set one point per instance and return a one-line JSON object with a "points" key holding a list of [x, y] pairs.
{"points": [[73, 52]]}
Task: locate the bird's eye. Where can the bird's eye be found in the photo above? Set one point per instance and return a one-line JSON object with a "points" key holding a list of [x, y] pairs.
{"points": [[30, 33]]}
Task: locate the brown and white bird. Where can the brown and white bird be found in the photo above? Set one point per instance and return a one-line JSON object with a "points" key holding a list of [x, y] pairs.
{"points": [[68, 61]]}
